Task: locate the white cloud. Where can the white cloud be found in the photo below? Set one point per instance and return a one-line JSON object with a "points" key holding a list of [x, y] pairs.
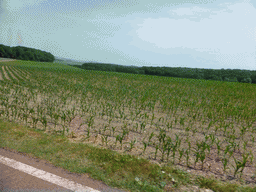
{"points": [[149, 32], [189, 11]]}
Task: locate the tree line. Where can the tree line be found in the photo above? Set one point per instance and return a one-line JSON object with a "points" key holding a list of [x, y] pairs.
{"points": [[231, 75], [25, 53]]}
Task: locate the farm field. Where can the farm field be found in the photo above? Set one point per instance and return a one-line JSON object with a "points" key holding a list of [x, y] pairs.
{"points": [[159, 133]]}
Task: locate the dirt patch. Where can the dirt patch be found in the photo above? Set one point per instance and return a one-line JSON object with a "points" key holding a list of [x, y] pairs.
{"points": [[6, 60]]}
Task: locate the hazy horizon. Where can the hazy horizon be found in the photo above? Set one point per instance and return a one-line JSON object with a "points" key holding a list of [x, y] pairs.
{"points": [[212, 35]]}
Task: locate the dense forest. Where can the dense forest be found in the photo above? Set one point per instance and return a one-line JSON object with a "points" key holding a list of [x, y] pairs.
{"points": [[231, 75], [25, 53]]}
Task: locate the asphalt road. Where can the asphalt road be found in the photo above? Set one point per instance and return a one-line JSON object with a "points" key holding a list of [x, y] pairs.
{"points": [[54, 178]]}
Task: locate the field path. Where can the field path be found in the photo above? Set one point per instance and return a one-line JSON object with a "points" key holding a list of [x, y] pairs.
{"points": [[5, 74], [6, 59]]}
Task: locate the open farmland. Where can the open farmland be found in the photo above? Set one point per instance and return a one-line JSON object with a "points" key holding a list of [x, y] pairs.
{"points": [[205, 128]]}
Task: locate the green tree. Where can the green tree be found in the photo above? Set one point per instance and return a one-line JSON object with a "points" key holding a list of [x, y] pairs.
{"points": [[247, 80], [8, 52], [25, 57], [29, 55], [253, 77], [234, 79], [216, 78], [19, 52], [2, 52]]}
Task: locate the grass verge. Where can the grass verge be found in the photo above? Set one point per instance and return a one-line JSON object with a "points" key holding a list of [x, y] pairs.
{"points": [[116, 170]]}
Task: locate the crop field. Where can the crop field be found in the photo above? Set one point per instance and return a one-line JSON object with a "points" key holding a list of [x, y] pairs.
{"points": [[207, 128]]}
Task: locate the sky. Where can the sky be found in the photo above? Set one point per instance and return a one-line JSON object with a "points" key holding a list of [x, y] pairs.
{"points": [[210, 34]]}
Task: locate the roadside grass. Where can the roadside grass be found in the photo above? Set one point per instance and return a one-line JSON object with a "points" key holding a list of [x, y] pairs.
{"points": [[116, 170]]}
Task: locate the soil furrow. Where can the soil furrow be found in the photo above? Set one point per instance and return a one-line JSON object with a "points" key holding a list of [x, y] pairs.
{"points": [[25, 74], [13, 76], [5, 74], [17, 73]]}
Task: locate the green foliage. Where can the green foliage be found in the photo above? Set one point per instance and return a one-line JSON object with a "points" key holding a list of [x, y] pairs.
{"points": [[214, 185], [247, 80], [235, 75], [2, 52], [5, 51], [25, 53], [217, 78], [234, 79], [29, 55], [19, 52]]}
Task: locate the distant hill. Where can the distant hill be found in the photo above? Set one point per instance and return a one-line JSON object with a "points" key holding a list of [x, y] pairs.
{"points": [[67, 61]]}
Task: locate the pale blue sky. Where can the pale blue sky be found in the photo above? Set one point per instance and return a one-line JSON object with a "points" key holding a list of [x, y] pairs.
{"points": [[184, 33]]}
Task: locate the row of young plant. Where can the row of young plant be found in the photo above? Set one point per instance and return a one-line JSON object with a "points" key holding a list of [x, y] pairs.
{"points": [[161, 115], [11, 72]]}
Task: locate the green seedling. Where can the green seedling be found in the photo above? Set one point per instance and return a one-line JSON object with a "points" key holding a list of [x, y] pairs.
{"points": [[113, 129], [145, 146], [120, 139], [104, 139], [157, 147], [240, 164], [150, 137], [44, 122], [56, 117], [132, 143], [181, 152], [35, 120], [142, 126], [187, 152]]}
